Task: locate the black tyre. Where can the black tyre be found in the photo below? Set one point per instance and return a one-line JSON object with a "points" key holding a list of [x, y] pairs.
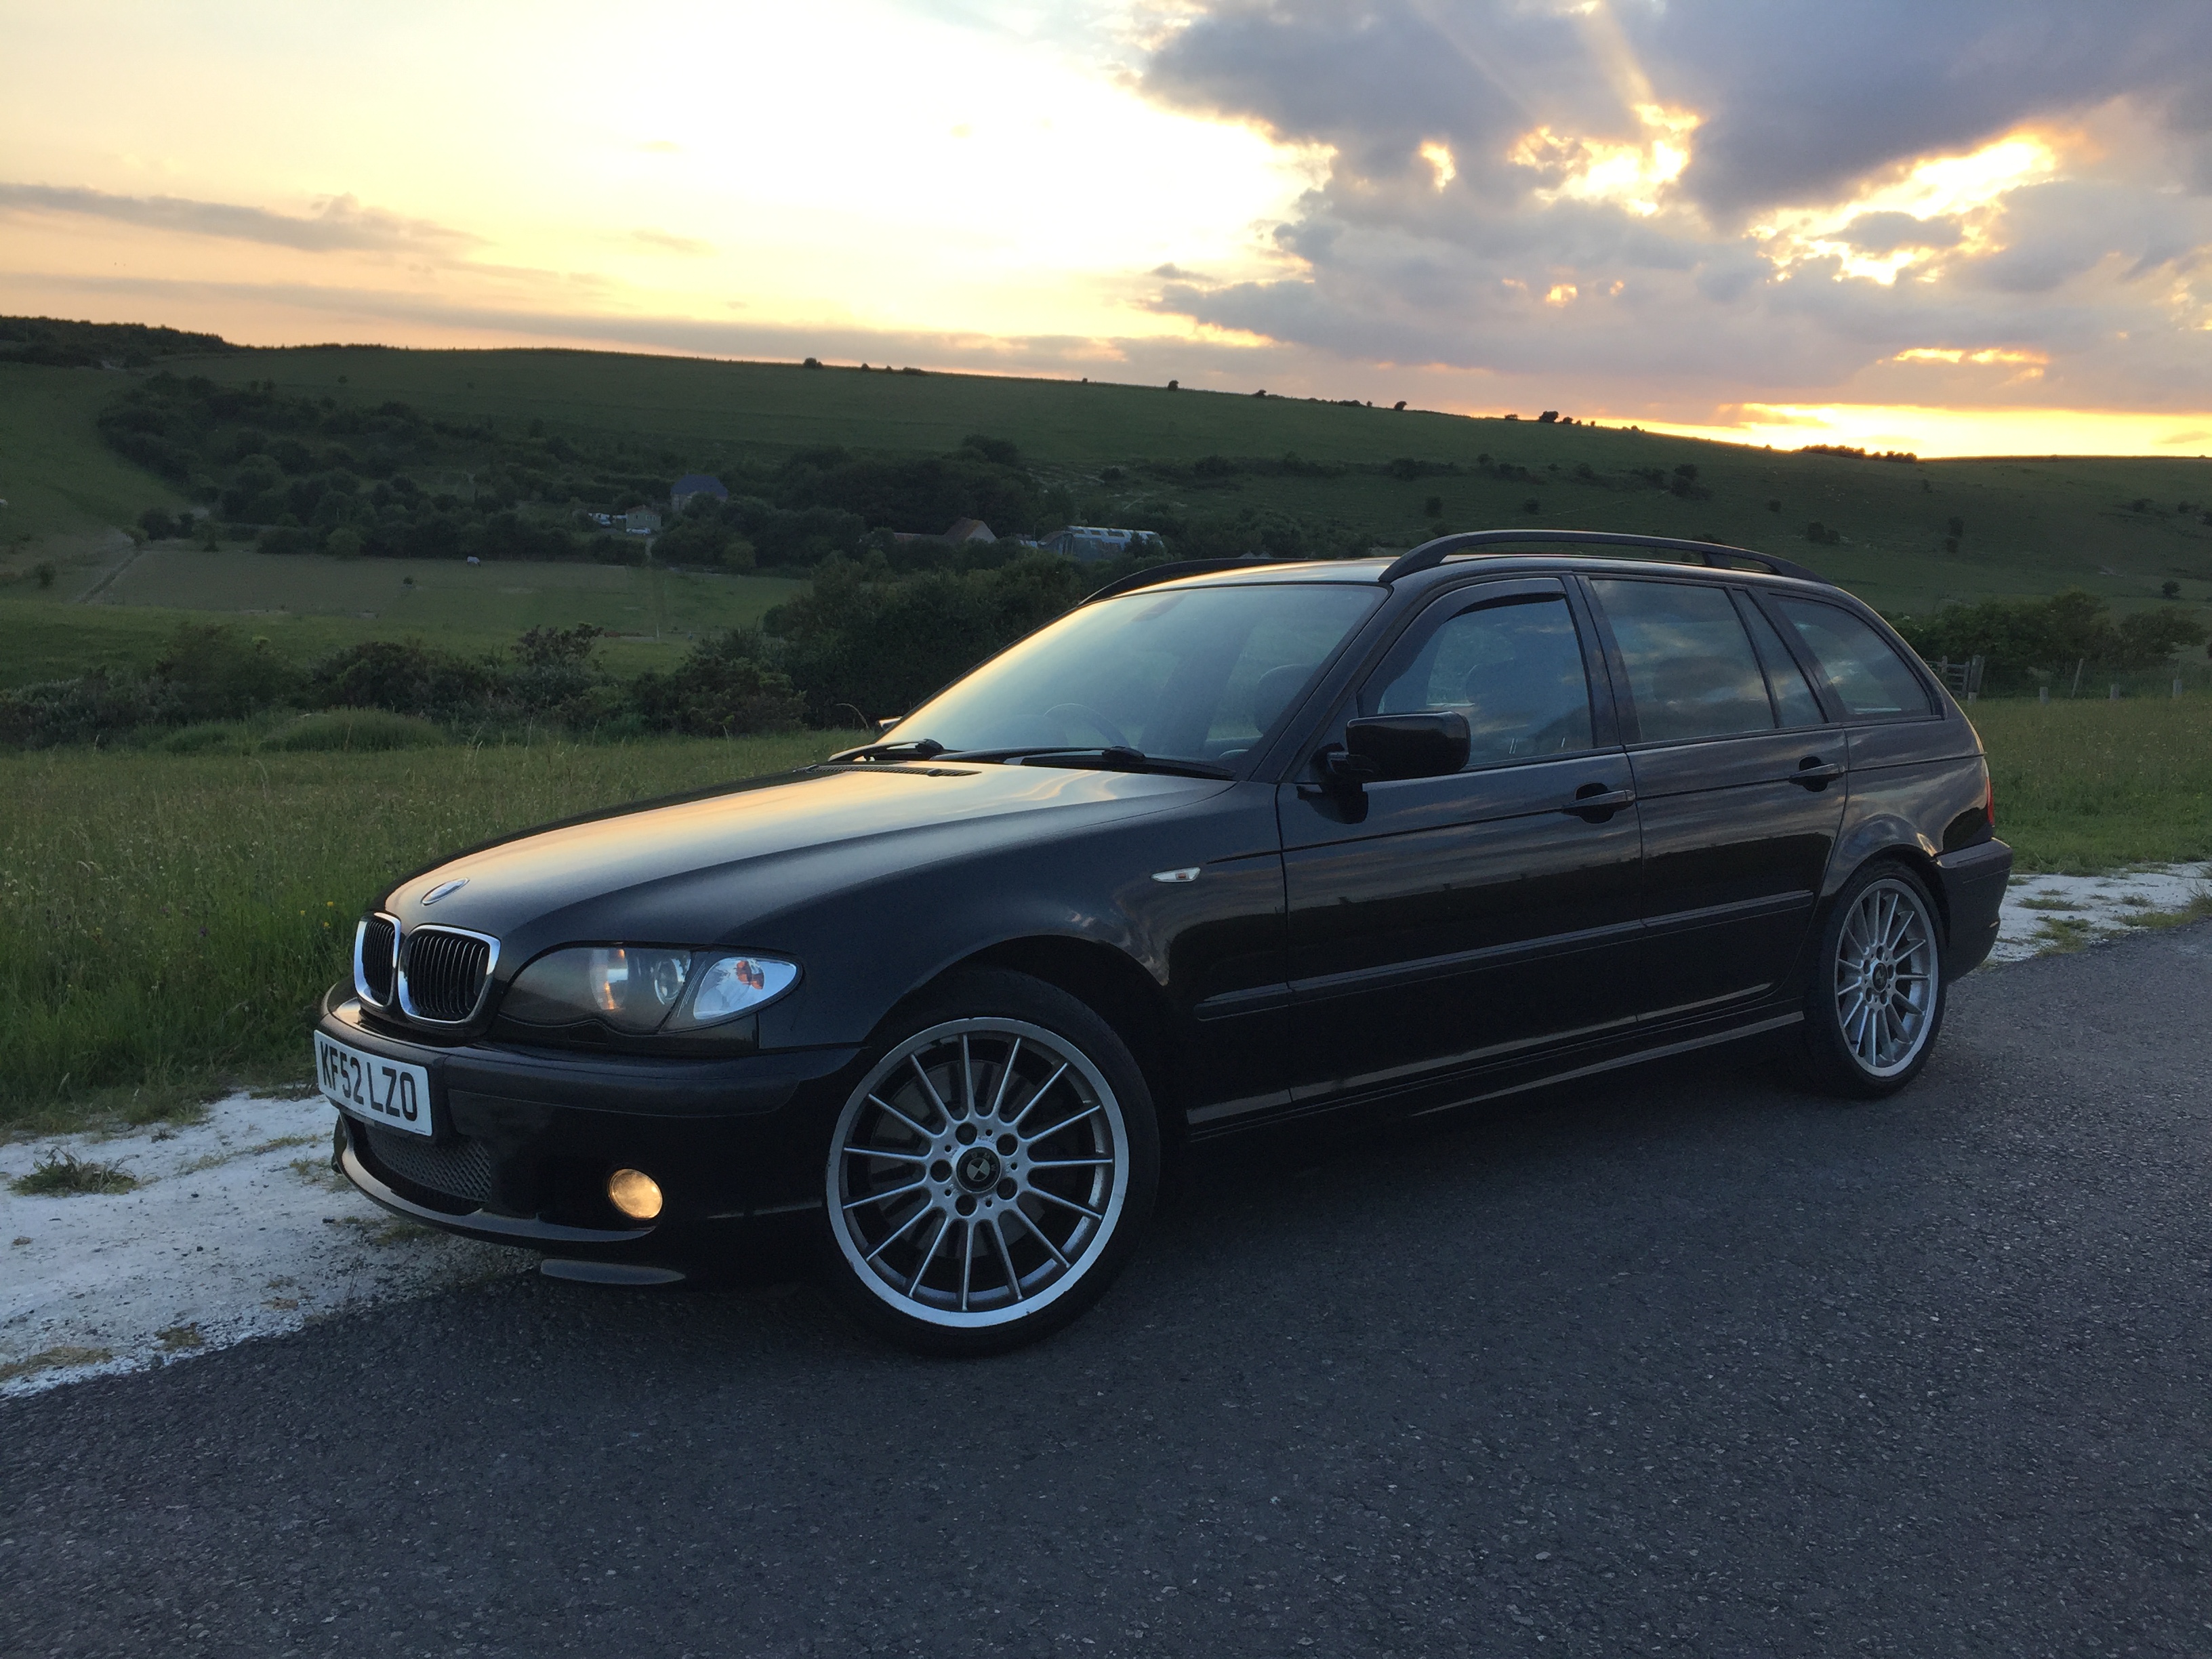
{"points": [[1874, 1007], [990, 1173]]}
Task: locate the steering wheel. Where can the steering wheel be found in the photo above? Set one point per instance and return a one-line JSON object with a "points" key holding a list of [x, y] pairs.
{"points": [[1084, 714]]}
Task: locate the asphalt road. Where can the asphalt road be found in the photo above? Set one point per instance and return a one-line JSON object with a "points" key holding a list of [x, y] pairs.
{"points": [[1685, 1362]]}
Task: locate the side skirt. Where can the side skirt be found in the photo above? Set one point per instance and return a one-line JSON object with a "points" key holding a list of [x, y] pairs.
{"points": [[1687, 1046], [1431, 1094]]}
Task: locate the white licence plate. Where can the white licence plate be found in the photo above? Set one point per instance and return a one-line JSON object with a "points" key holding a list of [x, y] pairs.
{"points": [[386, 1091]]}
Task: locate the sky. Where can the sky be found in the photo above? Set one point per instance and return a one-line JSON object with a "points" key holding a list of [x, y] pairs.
{"points": [[1966, 227]]}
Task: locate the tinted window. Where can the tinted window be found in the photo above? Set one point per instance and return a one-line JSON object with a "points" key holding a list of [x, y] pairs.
{"points": [[1194, 672], [1793, 698], [1868, 677], [1514, 667], [1690, 664]]}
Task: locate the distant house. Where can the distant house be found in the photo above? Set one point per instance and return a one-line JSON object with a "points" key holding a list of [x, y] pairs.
{"points": [[1087, 541], [969, 530], [690, 487], [641, 521]]}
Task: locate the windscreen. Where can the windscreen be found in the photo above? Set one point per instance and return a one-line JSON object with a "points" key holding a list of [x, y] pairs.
{"points": [[1198, 673]]}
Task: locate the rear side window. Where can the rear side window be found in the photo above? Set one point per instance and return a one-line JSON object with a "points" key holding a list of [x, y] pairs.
{"points": [[1691, 668], [1868, 677], [1793, 699], [1514, 667]]}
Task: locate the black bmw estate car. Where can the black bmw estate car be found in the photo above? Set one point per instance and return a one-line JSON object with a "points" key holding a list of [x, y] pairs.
{"points": [[1226, 845]]}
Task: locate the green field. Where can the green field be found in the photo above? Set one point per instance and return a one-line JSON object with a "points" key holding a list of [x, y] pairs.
{"points": [[308, 605], [62, 484], [2032, 525], [172, 920], [2090, 786]]}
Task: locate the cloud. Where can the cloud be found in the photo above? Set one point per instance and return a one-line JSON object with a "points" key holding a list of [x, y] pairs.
{"points": [[661, 241], [339, 223], [1741, 200], [1889, 232]]}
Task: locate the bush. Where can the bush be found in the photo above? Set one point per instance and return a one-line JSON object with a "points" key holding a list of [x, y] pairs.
{"points": [[723, 688], [863, 641], [359, 729], [81, 710], [409, 678], [210, 673], [2051, 635]]}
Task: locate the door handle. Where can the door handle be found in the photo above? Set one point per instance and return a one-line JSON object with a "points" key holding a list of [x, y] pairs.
{"points": [[1597, 799], [1815, 772]]}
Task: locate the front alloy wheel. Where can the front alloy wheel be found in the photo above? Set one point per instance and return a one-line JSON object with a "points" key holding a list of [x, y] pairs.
{"points": [[980, 1177]]}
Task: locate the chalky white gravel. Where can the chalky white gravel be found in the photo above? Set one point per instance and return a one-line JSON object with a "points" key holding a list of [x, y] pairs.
{"points": [[239, 1229], [2038, 909]]}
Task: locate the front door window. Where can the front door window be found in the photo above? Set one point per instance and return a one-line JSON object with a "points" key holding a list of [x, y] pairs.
{"points": [[1513, 667]]}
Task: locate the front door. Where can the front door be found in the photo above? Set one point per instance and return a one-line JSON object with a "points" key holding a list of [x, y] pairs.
{"points": [[1741, 785], [1439, 924]]}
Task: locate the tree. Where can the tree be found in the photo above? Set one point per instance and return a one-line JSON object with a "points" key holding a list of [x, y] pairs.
{"points": [[2169, 590]]}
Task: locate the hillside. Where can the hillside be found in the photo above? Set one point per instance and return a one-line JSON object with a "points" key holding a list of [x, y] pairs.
{"points": [[1319, 477]]}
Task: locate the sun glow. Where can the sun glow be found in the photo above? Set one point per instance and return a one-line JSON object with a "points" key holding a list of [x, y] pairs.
{"points": [[1965, 192], [1933, 431], [1634, 176]]}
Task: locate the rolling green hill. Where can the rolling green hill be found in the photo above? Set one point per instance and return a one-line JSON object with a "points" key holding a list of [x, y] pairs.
{"points": [[1126, 455]]}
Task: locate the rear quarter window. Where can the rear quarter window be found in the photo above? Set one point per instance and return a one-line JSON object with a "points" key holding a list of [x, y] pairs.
{"points": [[1861, 668]]}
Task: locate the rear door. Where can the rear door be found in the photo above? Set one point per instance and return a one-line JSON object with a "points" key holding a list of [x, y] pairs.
{"points": [[1740, 784], [1437, 923]]}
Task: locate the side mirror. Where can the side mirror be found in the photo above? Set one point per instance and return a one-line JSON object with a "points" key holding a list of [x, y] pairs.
{"points": [[1382, 747]]}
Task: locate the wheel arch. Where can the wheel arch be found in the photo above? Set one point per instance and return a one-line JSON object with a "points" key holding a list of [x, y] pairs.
{"points": [[1885, 837], [1114, 986]]}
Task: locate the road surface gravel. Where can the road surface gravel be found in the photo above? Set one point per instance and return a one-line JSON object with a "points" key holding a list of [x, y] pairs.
{"points": [[1677, 1362]]}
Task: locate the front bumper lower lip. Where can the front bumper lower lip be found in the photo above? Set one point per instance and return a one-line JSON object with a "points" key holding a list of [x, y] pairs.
{"points": [[485, 1225]]}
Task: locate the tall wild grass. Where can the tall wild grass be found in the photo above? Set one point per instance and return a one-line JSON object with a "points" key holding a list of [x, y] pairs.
{"points": [[167, 922], [2091, 785]]}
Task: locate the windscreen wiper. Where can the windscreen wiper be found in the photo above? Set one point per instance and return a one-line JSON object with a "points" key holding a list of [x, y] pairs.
{"points": [[1114, 757], [904, 749]]}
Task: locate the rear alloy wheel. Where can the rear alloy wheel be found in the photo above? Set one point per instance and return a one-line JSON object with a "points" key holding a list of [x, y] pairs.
{"points": [[987, 1177], [1876, 1002]]}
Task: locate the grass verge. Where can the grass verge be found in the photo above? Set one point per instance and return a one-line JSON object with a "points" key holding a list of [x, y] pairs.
{"points": [[2091, 785], [65, 1175], [54, 1359], [174, 918]]}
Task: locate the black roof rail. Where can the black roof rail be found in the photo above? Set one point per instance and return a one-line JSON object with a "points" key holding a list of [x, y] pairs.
{"points": [[1430, 554], [1168, 572]]}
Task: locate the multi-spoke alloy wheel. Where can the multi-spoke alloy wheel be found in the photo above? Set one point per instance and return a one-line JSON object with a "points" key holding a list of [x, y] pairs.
{"points": [[1873, 1013], [979, 1174], [1886, 970]]}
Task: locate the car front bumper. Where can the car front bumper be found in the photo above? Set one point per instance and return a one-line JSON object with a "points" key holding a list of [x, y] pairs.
{"points": [[525, 1137]]}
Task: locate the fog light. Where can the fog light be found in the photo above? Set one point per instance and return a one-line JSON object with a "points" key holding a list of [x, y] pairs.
{"points": [[634, 1193]]}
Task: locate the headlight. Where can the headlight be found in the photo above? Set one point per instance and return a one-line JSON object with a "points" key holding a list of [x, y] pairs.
{"points": [[729, 986], [637, 988]]}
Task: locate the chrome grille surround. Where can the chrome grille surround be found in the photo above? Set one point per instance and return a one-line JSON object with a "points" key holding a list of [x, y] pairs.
{"points": [[445, 974], [376, 958], [460, 1169]]}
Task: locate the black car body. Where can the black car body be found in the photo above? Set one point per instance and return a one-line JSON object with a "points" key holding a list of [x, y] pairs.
{"points": [[1339, 921]]}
